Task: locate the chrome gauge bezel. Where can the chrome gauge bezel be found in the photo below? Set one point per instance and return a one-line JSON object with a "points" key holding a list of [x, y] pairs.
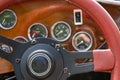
{"points": [[20, 37], [3, 27], [82, 32], [37, 24], [53, 27]]}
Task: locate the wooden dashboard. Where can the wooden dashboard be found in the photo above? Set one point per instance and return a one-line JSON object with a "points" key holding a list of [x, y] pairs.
{"points": [[48, 14]]}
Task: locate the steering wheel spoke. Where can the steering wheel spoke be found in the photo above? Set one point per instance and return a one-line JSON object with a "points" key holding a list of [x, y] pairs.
{"points": [[81, 68], [9, 42], [12, 50], [77, 69], [6, 55], [73, 67], [79, 55]]}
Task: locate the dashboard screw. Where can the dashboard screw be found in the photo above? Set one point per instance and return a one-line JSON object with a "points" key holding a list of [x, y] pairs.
{"points": [[34, 41], [18, 61], [57, 46]]}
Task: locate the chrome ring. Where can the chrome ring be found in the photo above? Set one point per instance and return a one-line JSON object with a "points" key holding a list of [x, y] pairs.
{"points": [[35, 54]]}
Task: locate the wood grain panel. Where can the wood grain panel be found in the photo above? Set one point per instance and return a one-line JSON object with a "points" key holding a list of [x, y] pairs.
{"points": [[48, 13]]}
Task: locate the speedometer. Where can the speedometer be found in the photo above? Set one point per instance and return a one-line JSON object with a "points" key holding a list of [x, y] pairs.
{"points": [[61, 31], [82, 41], [37, 30], [7, 19]]}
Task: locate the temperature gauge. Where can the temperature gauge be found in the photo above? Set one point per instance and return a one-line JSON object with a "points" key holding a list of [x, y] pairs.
{"points": [[37, 30], [82, 41]]}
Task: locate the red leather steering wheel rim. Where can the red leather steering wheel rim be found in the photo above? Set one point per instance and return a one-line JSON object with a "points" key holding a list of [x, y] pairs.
{"points": [[105, 22], [108, 27]]}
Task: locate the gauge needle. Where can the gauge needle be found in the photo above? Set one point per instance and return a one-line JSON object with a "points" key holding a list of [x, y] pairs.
{"points": [[33, 35], [3, 21], [59, 33], [87, 44], [81, 42]]}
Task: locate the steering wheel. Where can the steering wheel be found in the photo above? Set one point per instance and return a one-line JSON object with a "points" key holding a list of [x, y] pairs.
{"points": [[46, 59]]}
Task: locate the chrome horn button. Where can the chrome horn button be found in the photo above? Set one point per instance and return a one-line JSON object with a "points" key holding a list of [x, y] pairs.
{"points": [[39, 63]]}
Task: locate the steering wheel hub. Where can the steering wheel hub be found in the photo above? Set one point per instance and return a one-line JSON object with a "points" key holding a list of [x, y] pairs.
{"points": [[42, 61], [39, 63]]}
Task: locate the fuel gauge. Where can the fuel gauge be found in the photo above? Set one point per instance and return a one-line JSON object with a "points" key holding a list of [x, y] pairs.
{"points": [[82, 41]]}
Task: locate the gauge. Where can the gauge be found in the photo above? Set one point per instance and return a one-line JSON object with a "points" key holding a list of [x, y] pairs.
{"points": [[61, 31], [37, 30], [6, 48], [20, 39], [82, 41], [8, 19]]}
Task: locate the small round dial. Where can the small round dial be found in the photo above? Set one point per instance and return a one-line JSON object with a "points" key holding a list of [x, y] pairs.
{"points": [[6, 48], [37, 30], [8, 19], [61, 31], [82, 41], [20, 39]]}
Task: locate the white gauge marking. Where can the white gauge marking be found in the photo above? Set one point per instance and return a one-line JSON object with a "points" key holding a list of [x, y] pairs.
{"points": [[3, 21]]}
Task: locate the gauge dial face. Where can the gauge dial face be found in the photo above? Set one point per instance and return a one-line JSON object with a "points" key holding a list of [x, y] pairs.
{"points": [[20, 39], [37, 30], [82, 41], [8, 19], [61, 31]]}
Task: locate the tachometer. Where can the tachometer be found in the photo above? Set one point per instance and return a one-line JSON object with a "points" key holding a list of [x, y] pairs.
{"points": [[61, 31], [37, 30], [8, 19], [82, 41]]}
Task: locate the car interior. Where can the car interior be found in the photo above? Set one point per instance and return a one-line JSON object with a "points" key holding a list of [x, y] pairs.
{"points": [[59, 39]]}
